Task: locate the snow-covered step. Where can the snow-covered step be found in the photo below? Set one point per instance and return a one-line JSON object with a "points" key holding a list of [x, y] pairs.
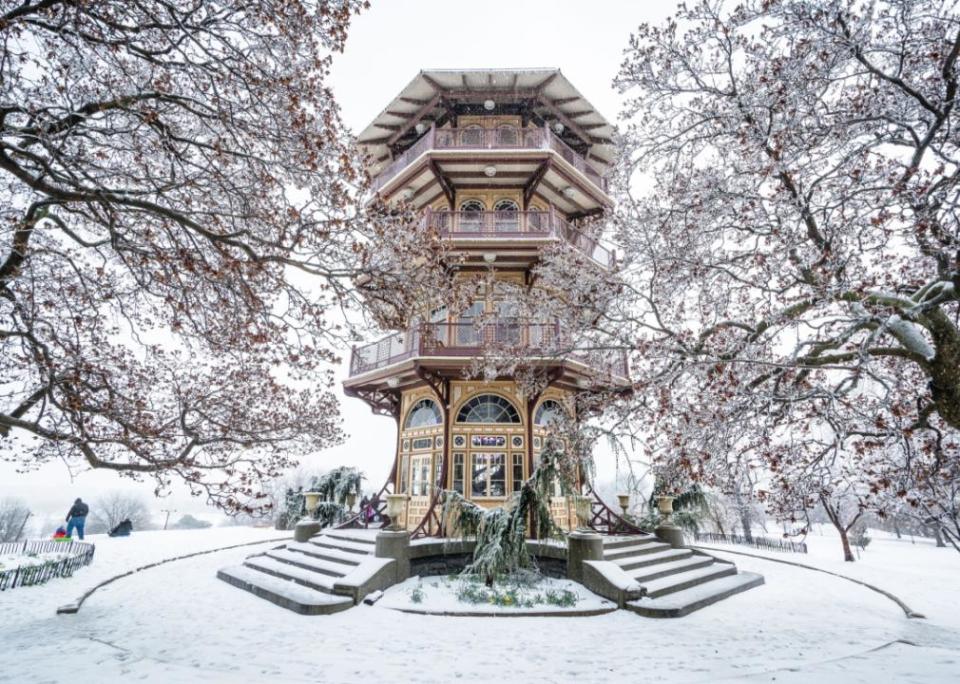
{"points": [[330, 554], [635, 550], [332, 568], [618, 542], [644, 560], [308, 578], [343, 544], [685, 580], [355, 536], [684, 602], [652, 572], [284, 592]]}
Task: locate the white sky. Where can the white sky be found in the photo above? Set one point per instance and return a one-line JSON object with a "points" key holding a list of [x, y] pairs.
{"points": [[387, 46]]}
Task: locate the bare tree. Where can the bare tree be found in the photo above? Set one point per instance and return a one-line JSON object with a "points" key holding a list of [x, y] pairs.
{"points": [[788, 225], [110, 510], [14, 514], [180, 211]]}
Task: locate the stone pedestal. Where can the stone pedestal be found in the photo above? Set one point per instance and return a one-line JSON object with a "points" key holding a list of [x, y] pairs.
{"points": [[305, 529], [671, 534], [582, 546], [395, 544]]}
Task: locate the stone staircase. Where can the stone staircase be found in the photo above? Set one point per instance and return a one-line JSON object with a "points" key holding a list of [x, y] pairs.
{"points": [[331, 572], [654, 579]]}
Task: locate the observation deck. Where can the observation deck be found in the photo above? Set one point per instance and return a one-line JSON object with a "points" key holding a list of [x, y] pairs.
{"points": [[518, 235], [453, 133], [453, 345]]}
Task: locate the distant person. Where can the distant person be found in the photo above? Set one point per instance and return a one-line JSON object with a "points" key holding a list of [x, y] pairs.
{"points": [[123, 529], [365, 509], [77, 518]]}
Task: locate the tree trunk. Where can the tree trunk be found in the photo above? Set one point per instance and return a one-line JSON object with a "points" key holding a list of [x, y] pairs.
{"points": [[834, 517], [896, 528], [847, 553], [939, 537], [745, 520], [745, 517]]}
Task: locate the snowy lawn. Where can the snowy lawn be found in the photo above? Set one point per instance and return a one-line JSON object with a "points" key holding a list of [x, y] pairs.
{"points": [[178, 623], [450, 595], [9, 561]]}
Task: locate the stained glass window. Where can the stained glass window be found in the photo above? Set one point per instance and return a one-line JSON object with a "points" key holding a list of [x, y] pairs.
{"points": [[549, 411], [488, 408], [423, 414]]}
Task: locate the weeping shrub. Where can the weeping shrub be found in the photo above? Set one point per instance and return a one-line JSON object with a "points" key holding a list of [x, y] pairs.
{"points": [[338, 484], [501, 539]]}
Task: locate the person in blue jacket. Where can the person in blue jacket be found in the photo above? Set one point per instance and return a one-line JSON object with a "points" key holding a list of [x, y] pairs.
{"points": [[77, 518]]}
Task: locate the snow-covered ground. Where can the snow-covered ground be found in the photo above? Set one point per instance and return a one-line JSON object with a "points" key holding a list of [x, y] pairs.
{"points": [[9, 561], [178, 623]]}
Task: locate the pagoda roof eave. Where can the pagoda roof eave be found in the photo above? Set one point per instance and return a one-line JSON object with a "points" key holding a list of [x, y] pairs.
{"points": [[548, 86]]}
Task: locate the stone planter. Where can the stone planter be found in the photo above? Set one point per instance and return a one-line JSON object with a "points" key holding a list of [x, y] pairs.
{"points": [[665, 506], [311, 499], [351, 499], [582, 507], [395, 504], [624, 501]]}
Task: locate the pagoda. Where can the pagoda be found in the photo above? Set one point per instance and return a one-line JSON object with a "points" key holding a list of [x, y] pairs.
{"points": [[503, 164], [505, 169]]}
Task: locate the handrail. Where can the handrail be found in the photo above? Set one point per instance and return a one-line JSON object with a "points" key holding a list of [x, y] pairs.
{"points": [[478, 138], [472, 337], [603, 519]]}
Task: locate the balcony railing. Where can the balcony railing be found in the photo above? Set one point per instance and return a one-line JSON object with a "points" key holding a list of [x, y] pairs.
{"points": [[470, 339], [476, 138], [507, 224]]}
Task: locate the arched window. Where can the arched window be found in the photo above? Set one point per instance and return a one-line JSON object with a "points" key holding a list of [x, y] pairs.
{"points": [[548, 412], [507, 136], [423, 414], [488, 408], [471, 136], [471, 216], [440, 219], [505, 211]]}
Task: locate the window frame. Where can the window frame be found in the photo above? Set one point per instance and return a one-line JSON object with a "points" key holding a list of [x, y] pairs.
{"points": [[467, 408]]}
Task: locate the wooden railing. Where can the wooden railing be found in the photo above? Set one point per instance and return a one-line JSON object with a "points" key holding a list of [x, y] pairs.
{"points": [[474, 338], [604, 520], [476, 138], [505, 224]]}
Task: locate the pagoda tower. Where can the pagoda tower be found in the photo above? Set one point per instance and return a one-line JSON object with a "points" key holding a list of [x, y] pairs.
{"points": [[502, 164]]}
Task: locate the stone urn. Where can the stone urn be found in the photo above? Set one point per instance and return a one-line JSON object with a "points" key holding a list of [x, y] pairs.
{"points": [[311, 499], [665, 506], [395, 504], [582, 507], [351, 499], [624, 501]]}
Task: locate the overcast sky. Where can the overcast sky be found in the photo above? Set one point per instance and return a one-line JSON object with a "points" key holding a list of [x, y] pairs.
{"points": [[386, 48]]}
